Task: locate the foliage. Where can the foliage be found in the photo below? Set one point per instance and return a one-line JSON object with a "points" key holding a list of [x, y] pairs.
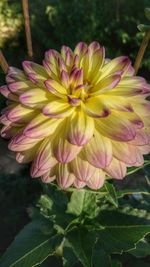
{"points": [[10, 23], [55, 23], [83, 227]]}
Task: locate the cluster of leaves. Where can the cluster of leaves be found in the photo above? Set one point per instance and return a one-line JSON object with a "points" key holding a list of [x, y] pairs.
{"points": [[85, 228], [10, 22], [143, 27]]}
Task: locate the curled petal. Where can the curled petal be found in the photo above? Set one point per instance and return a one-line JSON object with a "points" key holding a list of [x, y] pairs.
{"points": [[20, 114], [131, 86], [106, 84], [80, 128], [40, 127], [64, 177], [141, 138], [141, 107], [74, 101], [134, 119], [52, 70], [63, 150], [95, 108], [34, 98], [97, 180], [125, 152], [99, 151], [55, 88], [4, 120], [82, 169], [119, 103], [128, 70], [49, 176], [97, 62], [116, 128], [116, 169], [144, 149], [94, 46], [15, 75], [85, 64], [8, 131], [27, 155], [44, 159], [58, 109], [20, 143], [115, 65], [31, 67], [76, 78], [4, 90], [65, 79], [78, 184], [52, 56], [20, 87], [67, 56], [80, 49], [139, 158]]}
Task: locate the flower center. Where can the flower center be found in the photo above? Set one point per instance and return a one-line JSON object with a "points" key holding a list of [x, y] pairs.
{"points": [[80, 93]]}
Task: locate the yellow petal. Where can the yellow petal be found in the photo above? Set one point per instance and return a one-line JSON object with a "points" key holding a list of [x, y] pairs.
{"points": [[58, 109], [41, 126], [116, 127], [95, 108], [116, 169], [82, 169], [55, 88], [80, 128], [99, 151]]}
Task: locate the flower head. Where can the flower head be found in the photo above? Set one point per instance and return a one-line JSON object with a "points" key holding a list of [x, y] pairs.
{"points": [[78, 118]]}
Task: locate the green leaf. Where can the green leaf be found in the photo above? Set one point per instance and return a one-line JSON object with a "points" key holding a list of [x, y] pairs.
{"points": [[125, 192], [112, 196], [142, 249], [147, 13], [121, 232], [100, 258], [116, 263], [83, 202], [54, 204], [143, 27], [69, 258], [32, 245], [132, 170], [46, 202], [82, 243]]}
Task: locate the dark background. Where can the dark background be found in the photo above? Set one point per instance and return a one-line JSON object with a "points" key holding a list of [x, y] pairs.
{"points": [[54, 23]]}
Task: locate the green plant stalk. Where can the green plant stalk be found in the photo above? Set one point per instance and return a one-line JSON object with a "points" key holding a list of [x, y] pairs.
{"points": [[141, 51], [3, 63]]}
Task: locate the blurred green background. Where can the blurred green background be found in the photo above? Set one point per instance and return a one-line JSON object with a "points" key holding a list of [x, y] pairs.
{"points": [[53, 23]]}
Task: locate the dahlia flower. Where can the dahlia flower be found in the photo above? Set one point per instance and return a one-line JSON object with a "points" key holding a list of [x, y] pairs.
{"points": [[79, 118]]}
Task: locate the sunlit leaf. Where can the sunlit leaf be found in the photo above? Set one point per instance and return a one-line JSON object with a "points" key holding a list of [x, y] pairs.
{"points": [[83, 202]]}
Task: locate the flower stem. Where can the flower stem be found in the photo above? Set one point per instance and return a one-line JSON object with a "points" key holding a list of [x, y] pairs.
{"points": [[141, 51], [3, 63], [25, 6]]}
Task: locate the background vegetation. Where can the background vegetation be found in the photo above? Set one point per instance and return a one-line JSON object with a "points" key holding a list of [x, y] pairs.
{"points": [[53, 23]]}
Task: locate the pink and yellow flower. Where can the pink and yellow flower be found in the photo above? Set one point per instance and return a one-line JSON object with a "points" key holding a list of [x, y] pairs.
{"points": [[78, 118]]}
